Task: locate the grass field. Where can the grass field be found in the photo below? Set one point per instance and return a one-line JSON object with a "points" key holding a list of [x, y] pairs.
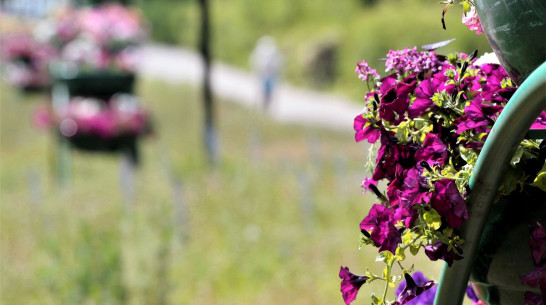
{"points": [[271, 224]]}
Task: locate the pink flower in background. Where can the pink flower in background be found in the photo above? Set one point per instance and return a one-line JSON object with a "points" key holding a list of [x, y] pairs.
{"points": [[472, 21]]}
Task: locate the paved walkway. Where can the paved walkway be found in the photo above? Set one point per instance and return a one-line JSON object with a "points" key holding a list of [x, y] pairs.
{"points": [[290, 104]]}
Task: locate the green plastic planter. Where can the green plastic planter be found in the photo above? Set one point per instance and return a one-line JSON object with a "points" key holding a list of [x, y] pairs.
{"points": [[516, 31]]}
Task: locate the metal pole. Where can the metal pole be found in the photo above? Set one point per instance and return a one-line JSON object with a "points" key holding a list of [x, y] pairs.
{"points": [[509, 130]]}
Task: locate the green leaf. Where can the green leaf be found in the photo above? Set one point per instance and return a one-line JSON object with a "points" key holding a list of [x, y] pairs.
{"points": [[400, 255], [414, 249], [406, 239], [540, 181], [385, 256], [517, 157], [466, 6], [433, 219], [376, 300]]}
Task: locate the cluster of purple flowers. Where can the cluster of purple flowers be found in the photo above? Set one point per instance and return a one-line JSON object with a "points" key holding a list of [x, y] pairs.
{"points": [[430, 119], [411, 60], [365, 72]]}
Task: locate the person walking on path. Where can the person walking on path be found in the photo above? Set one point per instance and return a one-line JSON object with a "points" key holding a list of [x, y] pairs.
{"points": [[266, 61]]}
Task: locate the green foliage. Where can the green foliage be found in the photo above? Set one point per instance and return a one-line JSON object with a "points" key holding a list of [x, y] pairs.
{"points": [[304, 28]]}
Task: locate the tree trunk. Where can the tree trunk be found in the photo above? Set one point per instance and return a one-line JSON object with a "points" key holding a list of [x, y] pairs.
{"points": [[209, 132]]}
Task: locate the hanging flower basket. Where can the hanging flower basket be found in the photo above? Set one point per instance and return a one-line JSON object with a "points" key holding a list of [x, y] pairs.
{"points": [[24, 61], [428, 122], [97, 125]]}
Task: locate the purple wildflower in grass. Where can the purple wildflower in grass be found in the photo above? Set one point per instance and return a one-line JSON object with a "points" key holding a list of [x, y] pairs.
{"points": [[350, 284], [365, 130], [364, 71], [449, 203], [415, 289]]}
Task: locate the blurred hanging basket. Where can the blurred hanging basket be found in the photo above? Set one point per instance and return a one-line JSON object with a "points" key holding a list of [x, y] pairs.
{"points": [[24, 61], [91, 124], [515, 30]]}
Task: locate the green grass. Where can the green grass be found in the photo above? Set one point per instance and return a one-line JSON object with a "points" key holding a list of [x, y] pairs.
{"points": [[244, 241]]}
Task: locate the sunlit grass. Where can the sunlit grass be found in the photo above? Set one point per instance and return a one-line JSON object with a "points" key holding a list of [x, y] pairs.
{"points": [[191, 234]]}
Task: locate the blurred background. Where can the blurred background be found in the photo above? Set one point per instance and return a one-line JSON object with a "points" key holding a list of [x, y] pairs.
{"points": [[165, 152]]}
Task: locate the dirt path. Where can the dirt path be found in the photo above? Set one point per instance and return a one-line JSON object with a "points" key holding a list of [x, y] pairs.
{"points": [[290, 104]]}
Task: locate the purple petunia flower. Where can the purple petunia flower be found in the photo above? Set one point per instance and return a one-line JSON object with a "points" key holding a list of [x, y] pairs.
{"points": [[433, 151], [425, 298], [415, 289], [365, 130], [365, 185], [425, 91], [395, 102], [449, 203], [533, 299], [540, 122], [350, 284], [535, 278], [383, 233], [537, 242], [440, 250]]}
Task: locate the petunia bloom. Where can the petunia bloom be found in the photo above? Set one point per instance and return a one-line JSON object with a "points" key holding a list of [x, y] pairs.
{"points": [[449, 203], [537, 242], [350, 284], [365, 130], [413, 290]]}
